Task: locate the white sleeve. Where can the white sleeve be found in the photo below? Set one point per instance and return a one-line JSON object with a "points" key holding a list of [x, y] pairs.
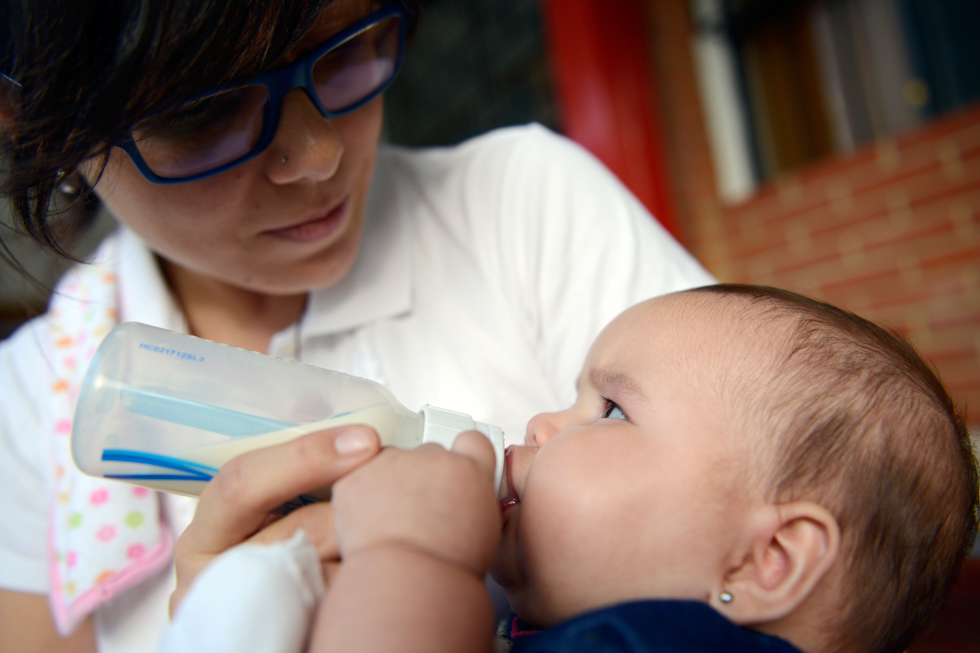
{"points": [[253, 597], [25, 502], [575, 247]]}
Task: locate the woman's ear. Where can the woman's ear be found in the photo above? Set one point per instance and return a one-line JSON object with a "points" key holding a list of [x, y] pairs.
{"points": [[790, 548], [8, 96]]}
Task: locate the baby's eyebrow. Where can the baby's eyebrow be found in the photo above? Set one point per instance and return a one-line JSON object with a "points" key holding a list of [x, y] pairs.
{"points": [[621, 381]]}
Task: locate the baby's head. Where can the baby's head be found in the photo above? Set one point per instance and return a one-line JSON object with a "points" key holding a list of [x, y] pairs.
{"points": [[794, 466]]}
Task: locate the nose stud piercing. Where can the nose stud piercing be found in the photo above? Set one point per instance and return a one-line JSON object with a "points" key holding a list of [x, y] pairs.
{"points": [[284, 159], [725, 597]]}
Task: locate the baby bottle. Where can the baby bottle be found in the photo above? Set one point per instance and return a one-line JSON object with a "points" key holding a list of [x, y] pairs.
{"points": [[167, 410]]}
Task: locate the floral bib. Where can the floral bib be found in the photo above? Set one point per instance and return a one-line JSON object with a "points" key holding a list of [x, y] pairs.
{"points": [[105, 537]]}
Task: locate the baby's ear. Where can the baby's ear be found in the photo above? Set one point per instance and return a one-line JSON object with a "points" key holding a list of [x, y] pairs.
{"points": [[791, 547]]}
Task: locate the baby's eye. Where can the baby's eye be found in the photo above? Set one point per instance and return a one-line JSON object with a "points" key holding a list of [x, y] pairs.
{"points": [[613, 411]]}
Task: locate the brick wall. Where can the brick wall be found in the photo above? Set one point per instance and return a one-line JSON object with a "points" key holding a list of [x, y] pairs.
{"points": [[890, 231]]}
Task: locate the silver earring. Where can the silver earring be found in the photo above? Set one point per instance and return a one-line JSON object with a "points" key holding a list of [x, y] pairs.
{"points": [[284, 159], [725, 597]]}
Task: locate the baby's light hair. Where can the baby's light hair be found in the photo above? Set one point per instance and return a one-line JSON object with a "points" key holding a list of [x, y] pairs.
{"points": [[864, 427]]}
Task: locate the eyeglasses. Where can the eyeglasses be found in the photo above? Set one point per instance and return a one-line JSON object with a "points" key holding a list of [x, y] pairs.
{"points": [[222, 129]]}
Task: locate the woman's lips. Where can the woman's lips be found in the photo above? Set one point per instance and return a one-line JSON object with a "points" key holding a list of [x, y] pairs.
{"points": [[316, 229]]}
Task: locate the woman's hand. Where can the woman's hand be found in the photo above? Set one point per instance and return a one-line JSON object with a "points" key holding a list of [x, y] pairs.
{"points": [[235, 506]]}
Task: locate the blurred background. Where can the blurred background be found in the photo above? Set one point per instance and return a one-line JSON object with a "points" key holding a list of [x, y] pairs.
{"points": [[831, 147]]}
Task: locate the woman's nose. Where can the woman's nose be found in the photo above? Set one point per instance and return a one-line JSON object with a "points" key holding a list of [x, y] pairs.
{"points": [[542, 428], [305, 145]]}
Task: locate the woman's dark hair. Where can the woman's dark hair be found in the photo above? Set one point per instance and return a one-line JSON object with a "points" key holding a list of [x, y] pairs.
{"points": [[91, 69]]}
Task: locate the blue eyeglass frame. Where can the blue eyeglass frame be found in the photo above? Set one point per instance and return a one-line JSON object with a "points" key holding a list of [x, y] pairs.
{"points": [[279, 82]]}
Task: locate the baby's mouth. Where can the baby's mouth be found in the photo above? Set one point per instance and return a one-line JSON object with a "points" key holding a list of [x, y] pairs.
{"points": [[511, 499]]}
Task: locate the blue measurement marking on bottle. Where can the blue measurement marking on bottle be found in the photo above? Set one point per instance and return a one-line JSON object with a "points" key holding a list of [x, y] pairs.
{"points": [[192, 471], [196, 414]]}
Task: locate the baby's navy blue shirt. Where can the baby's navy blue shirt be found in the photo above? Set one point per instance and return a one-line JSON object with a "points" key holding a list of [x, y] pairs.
{"points": [[648, 627]]}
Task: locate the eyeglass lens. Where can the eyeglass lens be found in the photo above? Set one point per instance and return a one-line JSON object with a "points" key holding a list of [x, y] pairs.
{"points": [[218, 129]]}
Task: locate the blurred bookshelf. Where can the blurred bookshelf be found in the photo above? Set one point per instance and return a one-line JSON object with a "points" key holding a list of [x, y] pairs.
{"points": [[789, 82]]}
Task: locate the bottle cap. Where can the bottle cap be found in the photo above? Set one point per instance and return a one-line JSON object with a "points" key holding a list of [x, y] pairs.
{"points": [[442, 426]]}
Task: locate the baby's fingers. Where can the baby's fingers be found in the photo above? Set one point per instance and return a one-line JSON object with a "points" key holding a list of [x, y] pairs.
{"points": [[477, 447]]}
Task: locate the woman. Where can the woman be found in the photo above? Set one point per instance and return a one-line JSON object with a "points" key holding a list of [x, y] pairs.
{"points": [[237, 145]]}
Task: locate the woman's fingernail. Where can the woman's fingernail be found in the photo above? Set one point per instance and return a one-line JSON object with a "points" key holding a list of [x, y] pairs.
{"points": [[354, 440]]}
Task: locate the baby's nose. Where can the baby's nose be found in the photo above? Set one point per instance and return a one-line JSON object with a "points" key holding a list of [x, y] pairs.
{"points": [[541, 428]]}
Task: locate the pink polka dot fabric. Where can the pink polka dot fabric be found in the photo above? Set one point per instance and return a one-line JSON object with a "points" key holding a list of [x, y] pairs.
{"points": [[106, 537]]}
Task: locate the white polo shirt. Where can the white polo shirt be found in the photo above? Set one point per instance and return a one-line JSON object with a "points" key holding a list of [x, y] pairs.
{"points": [[486, 271]]}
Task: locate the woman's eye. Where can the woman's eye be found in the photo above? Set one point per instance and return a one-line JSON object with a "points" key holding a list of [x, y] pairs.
{"points": [[196, 116], [613, 411]]}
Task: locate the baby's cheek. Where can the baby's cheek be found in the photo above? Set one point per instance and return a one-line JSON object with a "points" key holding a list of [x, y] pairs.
{"points": [[562, 570], [555, 533]]}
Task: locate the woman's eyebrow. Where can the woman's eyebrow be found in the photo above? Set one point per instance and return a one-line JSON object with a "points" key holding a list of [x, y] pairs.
{"points": [[336, 17]]}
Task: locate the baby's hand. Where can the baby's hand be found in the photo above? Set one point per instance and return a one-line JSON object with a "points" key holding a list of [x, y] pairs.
{"points": [[417, 531], [430, 500]]}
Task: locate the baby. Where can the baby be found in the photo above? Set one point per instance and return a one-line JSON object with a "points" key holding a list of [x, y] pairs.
{"points": [[744, 469]]}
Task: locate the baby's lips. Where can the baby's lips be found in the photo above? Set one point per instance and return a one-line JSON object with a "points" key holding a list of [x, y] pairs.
{"points": [[517, 465], [507, 503], [510, 499]]}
